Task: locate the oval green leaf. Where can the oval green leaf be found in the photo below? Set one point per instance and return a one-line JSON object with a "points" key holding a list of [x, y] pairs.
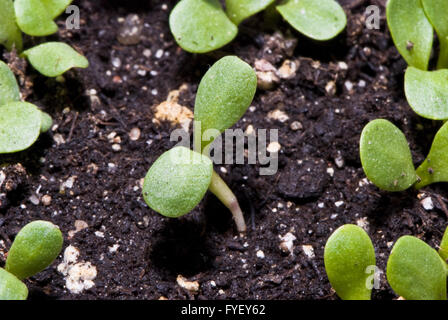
{"points": [[55, 7], [35, 247], [386, 157], [10, 34], [443, 250], [54, 58], [411, 31], [435, 167], [11, 288], [177, 182], [224, 94], [427, 92], [436, 11], [201, 26], [238, 10], [348, 255], [47, 122], [33, 18], [9, 90], [318, 20], [415, 271], [20, 124]]}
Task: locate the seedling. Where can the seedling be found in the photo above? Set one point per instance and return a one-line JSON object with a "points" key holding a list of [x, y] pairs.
{"points": [[348, 255], [416, 271], [35, 247], [20, 122], [35, 18], [201, 26], [180, 177]]}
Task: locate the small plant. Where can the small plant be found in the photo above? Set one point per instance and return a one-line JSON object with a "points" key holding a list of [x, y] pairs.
{"points": [[387, 161], [201, 26], [416, 271], [35, 18], [180, 177], [348, 255], [34, 249], [20, 122]]}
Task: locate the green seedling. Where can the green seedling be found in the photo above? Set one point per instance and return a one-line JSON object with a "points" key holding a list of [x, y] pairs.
{"points": [[348, 255], [386, 157], [35, 18], [35, 247], [20, 122], [201, 26], [180, 177], [415, 271], [427, 92]]}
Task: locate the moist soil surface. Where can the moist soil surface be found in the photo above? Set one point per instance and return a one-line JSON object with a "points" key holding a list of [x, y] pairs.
{"points": [[338, 88]]}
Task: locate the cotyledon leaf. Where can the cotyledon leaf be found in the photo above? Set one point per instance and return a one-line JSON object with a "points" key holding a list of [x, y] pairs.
{"points": [[34, 18], [34, 248], [201, 26], [348, 255], [9, 90], [319, 20], [54, 58], [10, 33], [437, 13], [415, 271], [435, 167], [443, 250], [411, 31], [386, 157], [177, 181], [11, 288], [238, 10], [224, 94], [55, 7], [427, 92]]}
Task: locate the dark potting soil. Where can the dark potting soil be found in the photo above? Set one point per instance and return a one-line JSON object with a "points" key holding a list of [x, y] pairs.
{"points": [[338, 88]]}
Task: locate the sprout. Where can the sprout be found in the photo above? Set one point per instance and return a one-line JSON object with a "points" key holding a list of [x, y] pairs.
{"points": [[10, 34], [54, 58], [415, 271], [385, 156], [178, 180], [20, 122], [34, 249], [201, 26], [411, 31], [348, 255]]}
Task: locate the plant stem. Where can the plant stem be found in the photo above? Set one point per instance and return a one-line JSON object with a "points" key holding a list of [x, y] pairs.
{"points": [[220, 189], [442, 62]]}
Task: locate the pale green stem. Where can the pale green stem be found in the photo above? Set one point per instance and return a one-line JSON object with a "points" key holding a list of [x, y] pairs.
{"points": [[220, 189], [442, 63]]}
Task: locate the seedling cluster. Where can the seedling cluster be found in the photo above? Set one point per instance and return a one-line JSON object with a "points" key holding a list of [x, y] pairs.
{"points": [[179, 178], [201, 26], [415, 271], [36, 18], [34, 249]]}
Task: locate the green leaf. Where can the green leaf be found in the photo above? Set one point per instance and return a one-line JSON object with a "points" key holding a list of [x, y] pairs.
{"points": [[411, 31], [436, 11], [427, 92], [34, 18], [224, 94], [9, 90], [47, 122], [20, 124], [318, 20], [348, 254], [177, 182], [55, 7], [201, 26], [386, 157], [35, 247], [11, 288], [443, 250], [54, 58], [435, 167], [9, 31], [238, 10], [415, 270]]}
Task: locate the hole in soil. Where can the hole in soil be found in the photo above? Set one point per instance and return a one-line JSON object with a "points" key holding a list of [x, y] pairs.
{"points": [[181, 249]]}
